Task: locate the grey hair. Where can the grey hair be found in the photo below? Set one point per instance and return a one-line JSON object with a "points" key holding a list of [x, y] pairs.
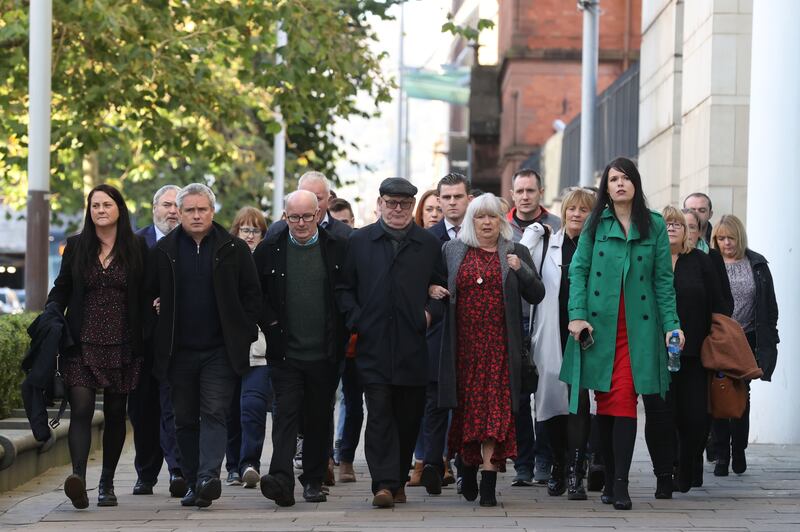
{"points": [[486, 203], [163, 190], [314, 176], [198, 189], [292, 195]]}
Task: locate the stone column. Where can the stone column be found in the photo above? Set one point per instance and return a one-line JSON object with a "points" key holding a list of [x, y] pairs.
{"points": [[772, 226]]}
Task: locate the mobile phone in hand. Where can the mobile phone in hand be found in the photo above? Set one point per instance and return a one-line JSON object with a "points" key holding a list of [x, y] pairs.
{"points": [[585, 339]]}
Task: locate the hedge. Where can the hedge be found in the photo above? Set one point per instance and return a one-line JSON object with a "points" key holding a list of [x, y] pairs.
{"points": [[14, 341]]}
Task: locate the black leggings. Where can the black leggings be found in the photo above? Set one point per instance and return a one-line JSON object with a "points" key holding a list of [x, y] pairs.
{"points": [[617, 439], [82, 405], [571, 432]]}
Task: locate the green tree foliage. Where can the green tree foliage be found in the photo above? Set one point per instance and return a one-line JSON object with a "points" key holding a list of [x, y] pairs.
{"points": [[149, 92]]}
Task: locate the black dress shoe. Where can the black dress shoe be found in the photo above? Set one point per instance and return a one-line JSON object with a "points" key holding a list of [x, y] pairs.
{"points": [[622, 501], [177, 486], [209, 490], [75, 489], [431, 479], [272, 489], [105, 493], [312, 492], [142, 488], [664, 486], [189, 498]]}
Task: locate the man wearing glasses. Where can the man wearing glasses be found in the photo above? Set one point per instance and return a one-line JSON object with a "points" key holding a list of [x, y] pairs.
{"points": [[305, 343], [383, 293]]}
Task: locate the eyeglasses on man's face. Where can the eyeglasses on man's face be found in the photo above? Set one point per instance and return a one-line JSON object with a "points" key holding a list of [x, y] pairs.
{"points": [[250, 231], [307, 217], [405, 204]]}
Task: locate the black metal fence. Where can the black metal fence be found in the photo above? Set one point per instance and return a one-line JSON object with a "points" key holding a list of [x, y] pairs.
{"points": [[616, 128]]}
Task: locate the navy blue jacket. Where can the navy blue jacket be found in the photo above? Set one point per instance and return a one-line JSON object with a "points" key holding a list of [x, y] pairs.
{"points": [[434, 335]]}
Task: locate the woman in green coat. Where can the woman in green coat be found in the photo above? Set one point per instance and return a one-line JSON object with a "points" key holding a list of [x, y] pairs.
{"points": [[622, 298]]}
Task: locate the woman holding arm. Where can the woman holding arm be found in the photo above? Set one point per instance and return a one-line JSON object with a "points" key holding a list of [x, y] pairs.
{"points": [[99, 287], [481, 359], [622, 314], [568, 434]]}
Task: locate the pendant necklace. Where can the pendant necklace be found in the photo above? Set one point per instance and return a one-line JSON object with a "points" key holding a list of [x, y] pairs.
{"points": [[479, 280]]}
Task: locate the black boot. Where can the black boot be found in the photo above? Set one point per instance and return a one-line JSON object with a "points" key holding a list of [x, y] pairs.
{"points": [[469, 485], [487, 489], [622, 501], [557, 484], [105, 492], [575, 491], [607, 496], [597, 473], [664, 486]]}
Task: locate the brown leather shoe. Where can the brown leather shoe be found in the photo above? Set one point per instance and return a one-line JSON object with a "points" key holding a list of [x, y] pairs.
{"points": [[330, 479], [346, 473], [400, 496], [383, 499], [416, 475]]}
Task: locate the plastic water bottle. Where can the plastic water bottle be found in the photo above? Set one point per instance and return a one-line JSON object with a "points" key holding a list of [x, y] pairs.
{"points": [[674, 352]]}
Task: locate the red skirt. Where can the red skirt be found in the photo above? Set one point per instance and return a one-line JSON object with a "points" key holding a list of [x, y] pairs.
{"points": [[621, 399]]}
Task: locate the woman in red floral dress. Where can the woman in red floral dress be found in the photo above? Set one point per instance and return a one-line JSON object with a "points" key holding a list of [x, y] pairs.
{"points": [[480, 370]]}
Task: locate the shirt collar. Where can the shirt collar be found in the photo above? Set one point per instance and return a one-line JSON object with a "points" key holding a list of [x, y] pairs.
{"points": [[325, 221], [159, 234], [311, 241]]}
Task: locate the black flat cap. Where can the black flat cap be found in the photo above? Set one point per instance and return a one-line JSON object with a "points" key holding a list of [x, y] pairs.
{"points": [[397, 186]]}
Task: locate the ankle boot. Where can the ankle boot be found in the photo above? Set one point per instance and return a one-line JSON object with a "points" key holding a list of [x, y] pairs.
{"points": [[664, 486], [557, 485], [596, 476], [622, 501], [469, 484], [105, 492], [607, 496], [487, 488], [575, 491]]}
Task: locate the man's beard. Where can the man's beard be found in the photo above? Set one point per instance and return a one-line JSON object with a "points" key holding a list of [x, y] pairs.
{"points": [[163, 225]]}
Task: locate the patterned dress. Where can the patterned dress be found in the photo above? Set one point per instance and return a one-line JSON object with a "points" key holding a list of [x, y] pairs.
{"points": [[106, 360], [483, 381]]}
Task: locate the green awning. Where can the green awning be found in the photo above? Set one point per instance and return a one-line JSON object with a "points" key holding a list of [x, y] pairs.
{"points": [[450, 86]]}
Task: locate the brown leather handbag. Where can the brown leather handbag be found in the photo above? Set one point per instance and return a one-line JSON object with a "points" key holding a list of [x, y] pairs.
{"points": [[727, 397]]}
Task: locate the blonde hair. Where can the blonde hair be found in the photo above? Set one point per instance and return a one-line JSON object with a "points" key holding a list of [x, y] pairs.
{"points": [[580, 196], [672, 214], [734, 227]]}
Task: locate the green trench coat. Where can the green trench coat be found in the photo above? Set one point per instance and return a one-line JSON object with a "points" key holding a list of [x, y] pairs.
{"points": [[599, 268]]}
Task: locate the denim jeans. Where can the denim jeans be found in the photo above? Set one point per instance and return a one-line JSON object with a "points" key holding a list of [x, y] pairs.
{"points": [[353, 411], [255, 403]]}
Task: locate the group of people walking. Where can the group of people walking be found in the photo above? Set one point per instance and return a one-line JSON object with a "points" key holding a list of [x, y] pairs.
{"points": [[446, 320]]}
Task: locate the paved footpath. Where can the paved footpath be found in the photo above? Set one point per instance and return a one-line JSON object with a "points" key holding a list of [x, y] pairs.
{"points": [[766, 497]]}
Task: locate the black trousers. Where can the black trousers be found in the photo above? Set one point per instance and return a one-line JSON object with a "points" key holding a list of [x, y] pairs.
{"points": [[203, 383], [144, 411], [302, 389], [734, 433], [434, 428], [394, 414]]}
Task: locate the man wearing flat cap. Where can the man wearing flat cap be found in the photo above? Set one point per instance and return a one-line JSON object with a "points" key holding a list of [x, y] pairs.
{"points": [[383, 293]]}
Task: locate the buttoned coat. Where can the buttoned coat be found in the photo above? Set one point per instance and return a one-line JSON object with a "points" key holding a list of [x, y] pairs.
{"points": [[551, 393], [434, 335], [384, 295], [603, 264], [522, 283]]}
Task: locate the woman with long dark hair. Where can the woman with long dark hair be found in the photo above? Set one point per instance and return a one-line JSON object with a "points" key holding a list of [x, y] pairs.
{"points": [[622, 314], [99, 287]]}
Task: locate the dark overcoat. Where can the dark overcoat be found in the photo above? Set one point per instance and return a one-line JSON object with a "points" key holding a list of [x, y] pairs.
{"points": [[69, 291], [236, 288], [604, 265], [270, 258], [767, 338], [435, 331], [384, 296], [517, 285]]}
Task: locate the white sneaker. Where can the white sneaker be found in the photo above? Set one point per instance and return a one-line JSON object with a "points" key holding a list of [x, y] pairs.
{"points": [[298, 455], [250, 477]]}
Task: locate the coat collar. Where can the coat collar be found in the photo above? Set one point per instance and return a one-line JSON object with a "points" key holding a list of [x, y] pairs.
{"points": [[219, 238], [375, 231], [614, 229], [456, 250]]}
